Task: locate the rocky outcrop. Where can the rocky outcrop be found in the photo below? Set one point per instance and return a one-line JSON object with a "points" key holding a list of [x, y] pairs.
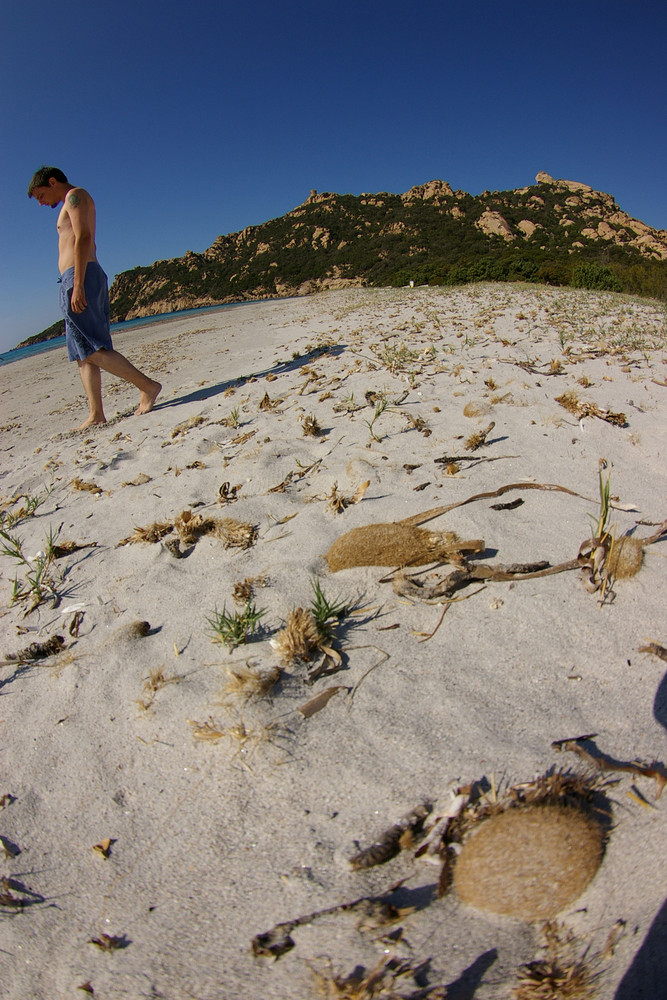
{"points": [[435, 191], [493, 224]]}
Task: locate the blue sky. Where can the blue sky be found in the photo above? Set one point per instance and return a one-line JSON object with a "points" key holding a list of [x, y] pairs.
{"points": [[189, 120]]}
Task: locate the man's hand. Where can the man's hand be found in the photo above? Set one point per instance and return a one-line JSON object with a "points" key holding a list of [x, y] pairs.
{"points": [[78, 300]]}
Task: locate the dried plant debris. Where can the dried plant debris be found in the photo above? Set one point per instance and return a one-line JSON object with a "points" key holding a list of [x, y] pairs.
{"points": [[108, 942], [527, 854], [104, 847], [228, 493], [299, 638], [79, 484], [151, 534], [580, 409], [396, 544], [585, 748], [562, 973], [319, 701], [444, 587], [38, 650], [655, 649], [476, 440], [187, 425], [380, 983], [139, 480], [132, 631], [190, 527], [311, 427], [529, 863], [278, 940], [155, 681], [62, 549], [246, 682], [337, 501], [402, 835], [244, 590]]}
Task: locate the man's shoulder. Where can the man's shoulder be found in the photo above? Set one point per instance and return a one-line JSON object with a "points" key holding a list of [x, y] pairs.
{"points": [[78, 196]]}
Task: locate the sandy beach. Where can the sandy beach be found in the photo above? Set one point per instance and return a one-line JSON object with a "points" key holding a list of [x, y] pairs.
{"points": [[167, 800]]}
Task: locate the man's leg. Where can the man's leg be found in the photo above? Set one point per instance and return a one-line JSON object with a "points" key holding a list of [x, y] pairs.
{"points": [[116, 364], [91, 377]]}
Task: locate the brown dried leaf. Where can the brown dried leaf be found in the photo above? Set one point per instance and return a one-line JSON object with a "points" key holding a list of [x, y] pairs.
{"points": [[317, 703]]}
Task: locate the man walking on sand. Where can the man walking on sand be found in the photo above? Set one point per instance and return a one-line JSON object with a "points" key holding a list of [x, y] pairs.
{"points": [[84, 294]]}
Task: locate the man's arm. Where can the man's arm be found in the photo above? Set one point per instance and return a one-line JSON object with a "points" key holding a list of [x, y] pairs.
{"points": [[81, 212]]}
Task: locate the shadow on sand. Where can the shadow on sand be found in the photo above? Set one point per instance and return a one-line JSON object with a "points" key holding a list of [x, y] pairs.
{"points": [[281, 368], [646, 979]]}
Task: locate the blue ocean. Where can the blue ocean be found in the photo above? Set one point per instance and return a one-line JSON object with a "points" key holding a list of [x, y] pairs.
{"points": [[49, 345]]}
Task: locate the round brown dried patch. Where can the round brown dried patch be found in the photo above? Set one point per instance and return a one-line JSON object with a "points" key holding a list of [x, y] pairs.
{"points": [[529, 862], [625, 557]]}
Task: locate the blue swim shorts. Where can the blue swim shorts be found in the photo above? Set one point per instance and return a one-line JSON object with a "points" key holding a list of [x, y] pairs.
{"points": [[87, 331]]}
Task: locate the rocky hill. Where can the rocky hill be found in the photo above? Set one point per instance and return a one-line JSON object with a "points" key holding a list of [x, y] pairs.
{"points": [[556, 232]]}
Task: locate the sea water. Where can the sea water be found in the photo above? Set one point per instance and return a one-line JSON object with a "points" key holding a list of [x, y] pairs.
{"points": [[49, 345]]}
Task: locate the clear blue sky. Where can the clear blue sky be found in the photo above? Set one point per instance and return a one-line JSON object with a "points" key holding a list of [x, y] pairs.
{"points": [[186, 120]]}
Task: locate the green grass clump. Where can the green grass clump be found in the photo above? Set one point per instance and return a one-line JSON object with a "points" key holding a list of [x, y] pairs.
{"points": [[235, 628]]}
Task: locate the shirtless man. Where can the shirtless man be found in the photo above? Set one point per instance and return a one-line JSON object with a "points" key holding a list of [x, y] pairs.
{"points": [[84, 295]]}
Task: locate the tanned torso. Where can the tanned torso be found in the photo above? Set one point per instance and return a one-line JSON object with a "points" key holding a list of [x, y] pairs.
{"points": [[82, 208]]}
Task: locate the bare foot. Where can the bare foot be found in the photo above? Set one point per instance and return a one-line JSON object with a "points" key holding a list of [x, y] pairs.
{"points": [[91, 421], [148, 399]]}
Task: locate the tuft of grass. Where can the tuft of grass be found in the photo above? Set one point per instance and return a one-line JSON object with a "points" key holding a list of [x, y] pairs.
{"points": [[38, 582], [380, 406], [326, 613], [234, 628], [9, 517]]}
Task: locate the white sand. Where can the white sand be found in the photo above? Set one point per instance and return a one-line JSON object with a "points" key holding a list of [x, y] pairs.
{"points": [[215, 842]]}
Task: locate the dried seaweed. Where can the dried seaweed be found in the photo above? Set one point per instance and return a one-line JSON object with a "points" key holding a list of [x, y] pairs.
{"points": [[602, 762], [401, 835], [80, 485], [445, 587], [38, 650], [655, 650], [278, 940], [580, 409], [187, 425], [561, 974], [397, 544], [378, 983]]}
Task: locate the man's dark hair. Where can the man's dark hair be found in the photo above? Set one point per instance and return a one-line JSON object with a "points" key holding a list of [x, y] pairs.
{"points": [[42, 176]]}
